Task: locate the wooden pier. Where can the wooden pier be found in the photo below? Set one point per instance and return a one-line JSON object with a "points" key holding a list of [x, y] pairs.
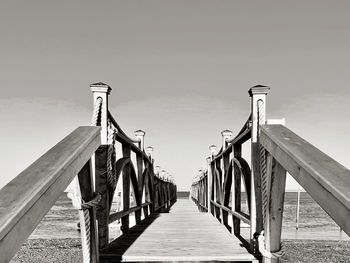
{"points": [[183, 234], [98, 158]]}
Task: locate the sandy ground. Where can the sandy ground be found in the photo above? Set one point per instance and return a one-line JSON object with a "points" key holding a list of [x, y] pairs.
{"points": [[296, 251]]}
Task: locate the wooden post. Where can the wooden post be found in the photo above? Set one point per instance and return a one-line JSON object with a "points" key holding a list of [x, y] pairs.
{"points": [[236, 190], [149, 152], [101, 90], [209, 184], [126, 188], [87, 193], [218, 190], [258, 114], [225, 134], [140, 135], [212, 172], [276, 182], [298, 209]]}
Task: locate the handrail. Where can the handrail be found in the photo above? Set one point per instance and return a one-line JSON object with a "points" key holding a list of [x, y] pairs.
{"points": [[275, 150], [327, 181], [28, 197], [120, 131], [243, 135]]}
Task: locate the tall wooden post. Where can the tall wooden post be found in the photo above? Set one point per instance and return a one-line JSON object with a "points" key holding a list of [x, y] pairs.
{"points": [[212, 149], [149, 152], [101, 90], [258, 114], [209, 184], [140, 136], [226, 134]]}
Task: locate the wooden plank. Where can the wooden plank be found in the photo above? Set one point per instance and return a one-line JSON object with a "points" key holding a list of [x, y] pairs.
{"points": [[183, 234], [26, 199], [323, 178]]}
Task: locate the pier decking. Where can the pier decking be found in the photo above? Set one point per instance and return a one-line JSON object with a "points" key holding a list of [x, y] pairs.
{"points": [[183, 234]]}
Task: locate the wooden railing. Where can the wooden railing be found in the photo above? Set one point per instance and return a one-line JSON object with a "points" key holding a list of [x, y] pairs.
{"points": [[27, 198], [150, 191], [275, 150], [87, 151]]}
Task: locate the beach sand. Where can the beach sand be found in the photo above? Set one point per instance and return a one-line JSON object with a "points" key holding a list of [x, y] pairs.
{"points": [[296, 251]]}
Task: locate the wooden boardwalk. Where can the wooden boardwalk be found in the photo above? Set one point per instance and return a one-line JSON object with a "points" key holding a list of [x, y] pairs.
{"points": [[183, 234]]}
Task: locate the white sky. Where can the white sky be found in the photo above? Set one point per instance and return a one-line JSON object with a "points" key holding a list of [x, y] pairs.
{"points": [[180, 70]]}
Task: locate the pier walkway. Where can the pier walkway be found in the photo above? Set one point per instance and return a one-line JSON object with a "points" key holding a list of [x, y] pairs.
{"points": [[183, 234], [101, 163]]}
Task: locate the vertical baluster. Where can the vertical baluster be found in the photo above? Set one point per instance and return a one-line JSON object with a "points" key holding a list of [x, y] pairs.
{"points": [[236, 194], [209, 182], [213, 176], [226, 134], [140, 135], [153, 190], [126, 188]]}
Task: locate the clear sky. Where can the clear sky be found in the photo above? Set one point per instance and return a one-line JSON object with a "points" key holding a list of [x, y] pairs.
{"points": [[180, 70]]}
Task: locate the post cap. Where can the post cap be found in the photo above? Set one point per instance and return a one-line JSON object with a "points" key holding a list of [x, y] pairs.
{"points": [[258, 89], [212, 148], [139, 134], [226, 133], [149, 149], [100, 87]]}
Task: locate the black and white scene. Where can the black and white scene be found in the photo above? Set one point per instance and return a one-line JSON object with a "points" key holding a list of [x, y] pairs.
{"points": [[174, 131]]}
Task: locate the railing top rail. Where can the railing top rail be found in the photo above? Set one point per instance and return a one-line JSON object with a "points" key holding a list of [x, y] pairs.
{"points": [[243, 135], [121, 136], [61, 163], [331, 175]]}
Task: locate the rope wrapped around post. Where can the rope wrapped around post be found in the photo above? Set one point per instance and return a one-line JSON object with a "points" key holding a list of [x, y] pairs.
{"points": [[96, 116], [111, 158], [262, 161]]}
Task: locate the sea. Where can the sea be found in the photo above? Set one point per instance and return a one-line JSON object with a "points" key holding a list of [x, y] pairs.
{"points": [[314, 224]]}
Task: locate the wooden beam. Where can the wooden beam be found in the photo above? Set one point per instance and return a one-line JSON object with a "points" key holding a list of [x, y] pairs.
{"points": [[323, 178], [27, 198]]}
